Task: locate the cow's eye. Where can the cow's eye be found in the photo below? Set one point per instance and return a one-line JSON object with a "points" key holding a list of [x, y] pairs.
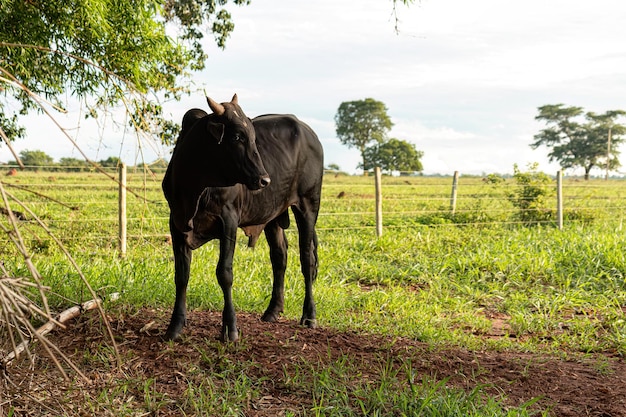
{"points": [[237, 138]]}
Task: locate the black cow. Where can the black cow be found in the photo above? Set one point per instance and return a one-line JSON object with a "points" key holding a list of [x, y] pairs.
{"points": [[217, 181]]}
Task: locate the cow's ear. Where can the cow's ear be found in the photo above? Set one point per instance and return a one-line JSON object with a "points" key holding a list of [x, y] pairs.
{"points": [[216, 130]]}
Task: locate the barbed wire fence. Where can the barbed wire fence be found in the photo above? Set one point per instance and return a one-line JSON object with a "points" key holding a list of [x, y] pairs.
{"points": [[86, 208]]}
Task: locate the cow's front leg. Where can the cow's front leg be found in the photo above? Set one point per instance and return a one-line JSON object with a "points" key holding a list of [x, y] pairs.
{"points": [[277, 243], [182, 262], [224, 274]]}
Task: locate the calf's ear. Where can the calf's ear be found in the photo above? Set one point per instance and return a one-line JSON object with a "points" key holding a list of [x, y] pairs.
{"points": [[216, 130]]}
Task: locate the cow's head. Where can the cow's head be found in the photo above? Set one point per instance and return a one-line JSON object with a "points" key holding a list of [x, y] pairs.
{"points": [[234, 131]]}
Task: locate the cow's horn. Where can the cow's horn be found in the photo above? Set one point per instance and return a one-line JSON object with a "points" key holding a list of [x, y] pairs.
{"points": [[234, 99], [215, 106]]}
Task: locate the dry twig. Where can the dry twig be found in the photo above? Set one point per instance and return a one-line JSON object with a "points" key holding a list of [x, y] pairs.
{"points": [[16, 308], [76, 267], [59, 321]]}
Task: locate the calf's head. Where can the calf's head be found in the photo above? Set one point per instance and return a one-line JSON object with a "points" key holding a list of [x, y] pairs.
{"points": [[234, 131]]}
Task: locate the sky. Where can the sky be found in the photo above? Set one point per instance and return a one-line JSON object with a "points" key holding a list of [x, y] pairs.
{"points": [[462, 80]]}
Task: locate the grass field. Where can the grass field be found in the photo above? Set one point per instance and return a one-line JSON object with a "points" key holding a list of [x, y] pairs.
{"points": [[478, 279]]}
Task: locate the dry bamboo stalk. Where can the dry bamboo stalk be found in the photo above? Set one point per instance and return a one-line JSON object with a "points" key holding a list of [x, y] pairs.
{"points": [[8, 143], [19, 242], [75, 265], [15, 234], [38, 100], [63, 317], [8, 319], [46, 345], [23, 303], [21, 187]]}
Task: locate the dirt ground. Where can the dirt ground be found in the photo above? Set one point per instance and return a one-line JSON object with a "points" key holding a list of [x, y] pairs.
{"points": [[590, 385]]}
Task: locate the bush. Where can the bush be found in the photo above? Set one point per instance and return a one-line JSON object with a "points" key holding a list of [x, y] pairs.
{"points": [[531, 194]]}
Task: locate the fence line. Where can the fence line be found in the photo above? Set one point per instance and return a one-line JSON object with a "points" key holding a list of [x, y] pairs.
{"points": [[371, 213], [481, 207]]}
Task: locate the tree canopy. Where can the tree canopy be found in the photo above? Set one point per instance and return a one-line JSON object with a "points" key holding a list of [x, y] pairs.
{"points": [[361, 122], [580, 139], [393, 155], [102, 49]]}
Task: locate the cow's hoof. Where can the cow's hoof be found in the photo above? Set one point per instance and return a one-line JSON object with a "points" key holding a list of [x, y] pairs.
{"points": [[174, 330], [171, 336], [270, 316], [173, 333], [310, 323], [229, 335]]}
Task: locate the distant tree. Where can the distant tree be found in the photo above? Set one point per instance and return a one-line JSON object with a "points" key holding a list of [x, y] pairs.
{"points": [[110, 162], [393, 155], [333, 167], [74, 164], [579, 139], [35, 159], [361, 122], [495, 179]]}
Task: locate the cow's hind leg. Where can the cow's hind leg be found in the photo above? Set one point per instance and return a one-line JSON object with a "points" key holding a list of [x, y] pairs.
{"points": [[277, 242], [306, 217], [182, 262], [224, 272]]}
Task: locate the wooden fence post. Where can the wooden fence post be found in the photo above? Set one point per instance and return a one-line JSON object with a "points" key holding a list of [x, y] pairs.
{"points": [[608, 155], [559, 199], [379, 201], [455, 183], [122, 210]]}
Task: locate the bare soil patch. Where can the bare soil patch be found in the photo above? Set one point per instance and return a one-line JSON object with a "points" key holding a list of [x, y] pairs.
{"points": [[589, 385]]}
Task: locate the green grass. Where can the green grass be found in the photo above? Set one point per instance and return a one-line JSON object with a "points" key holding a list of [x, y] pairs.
{"points": [[398, 392], [431, 276]]}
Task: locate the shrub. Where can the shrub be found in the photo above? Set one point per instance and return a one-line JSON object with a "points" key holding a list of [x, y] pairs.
{"points": [[531, 194]]}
